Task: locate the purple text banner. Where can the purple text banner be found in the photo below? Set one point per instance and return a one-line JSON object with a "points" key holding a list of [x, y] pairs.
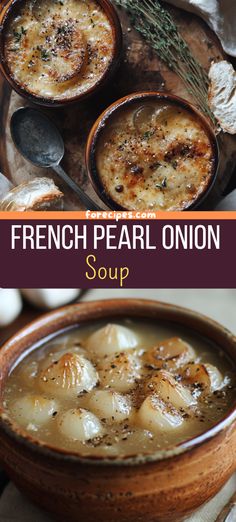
{"points": [[117, 254]]}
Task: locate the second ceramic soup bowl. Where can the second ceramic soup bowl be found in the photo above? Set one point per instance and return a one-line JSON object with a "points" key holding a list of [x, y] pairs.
{"points": [[152, 150]]}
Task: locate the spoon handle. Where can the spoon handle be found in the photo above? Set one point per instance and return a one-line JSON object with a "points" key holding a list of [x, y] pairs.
{"points": [[87, 201]]}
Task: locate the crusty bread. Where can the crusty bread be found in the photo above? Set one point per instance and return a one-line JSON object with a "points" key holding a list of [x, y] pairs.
{"points": [[37, 194], [5, 186], [222, 95]]}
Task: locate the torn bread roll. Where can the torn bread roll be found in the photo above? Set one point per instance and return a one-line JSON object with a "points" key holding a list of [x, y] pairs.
{"points": [[10, 306], [37, 194], [5, 186], [50, 298], [222, 95]]}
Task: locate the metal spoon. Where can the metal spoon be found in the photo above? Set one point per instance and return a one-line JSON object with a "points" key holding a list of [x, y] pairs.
{"points": [[39, 141]]}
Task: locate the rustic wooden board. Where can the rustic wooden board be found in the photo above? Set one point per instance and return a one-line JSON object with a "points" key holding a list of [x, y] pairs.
{"points": [[141, 69]]}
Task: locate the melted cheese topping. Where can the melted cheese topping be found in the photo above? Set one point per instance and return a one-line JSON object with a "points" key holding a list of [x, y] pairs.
{"points": [[58, 49], [154, 156], [120, 404]]}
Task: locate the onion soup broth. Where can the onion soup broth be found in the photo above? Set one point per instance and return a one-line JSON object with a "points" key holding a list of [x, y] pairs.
{"points": [[122, 389]]}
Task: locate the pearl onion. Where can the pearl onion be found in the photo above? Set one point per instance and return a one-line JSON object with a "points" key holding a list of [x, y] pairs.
{"points": [[172, 353], [110, 405], [206, 375], [155, 417], [79, 424], [33, 409], [120, 372], [168, 390], [112, 339], [215, 377], [69, 376]]}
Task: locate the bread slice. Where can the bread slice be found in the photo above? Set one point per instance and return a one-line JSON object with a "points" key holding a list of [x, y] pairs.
{"points": [[222, 95], [37, 194]]}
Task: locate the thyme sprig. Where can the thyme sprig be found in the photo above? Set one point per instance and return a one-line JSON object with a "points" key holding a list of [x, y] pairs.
{"points": [[18, 34], [157, 26]]}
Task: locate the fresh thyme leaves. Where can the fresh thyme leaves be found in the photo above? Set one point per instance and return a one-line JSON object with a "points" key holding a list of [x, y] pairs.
{"points": [[162, 185], [62, 30], [158, 28], [18, 34], [148, 134], [45, 55]]}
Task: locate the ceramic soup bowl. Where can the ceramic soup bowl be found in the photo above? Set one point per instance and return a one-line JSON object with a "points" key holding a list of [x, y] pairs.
{"points": [[163, 487], [152, 150], [53, 58]]}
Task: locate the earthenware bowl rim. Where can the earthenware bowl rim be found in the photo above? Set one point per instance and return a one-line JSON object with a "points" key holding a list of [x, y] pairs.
{"points": [[113, 17], [101, 122], [22, 438]]}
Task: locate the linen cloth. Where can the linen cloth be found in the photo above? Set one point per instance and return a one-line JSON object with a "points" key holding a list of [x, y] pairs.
{"points": [[228, 203], [219, 15]]}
